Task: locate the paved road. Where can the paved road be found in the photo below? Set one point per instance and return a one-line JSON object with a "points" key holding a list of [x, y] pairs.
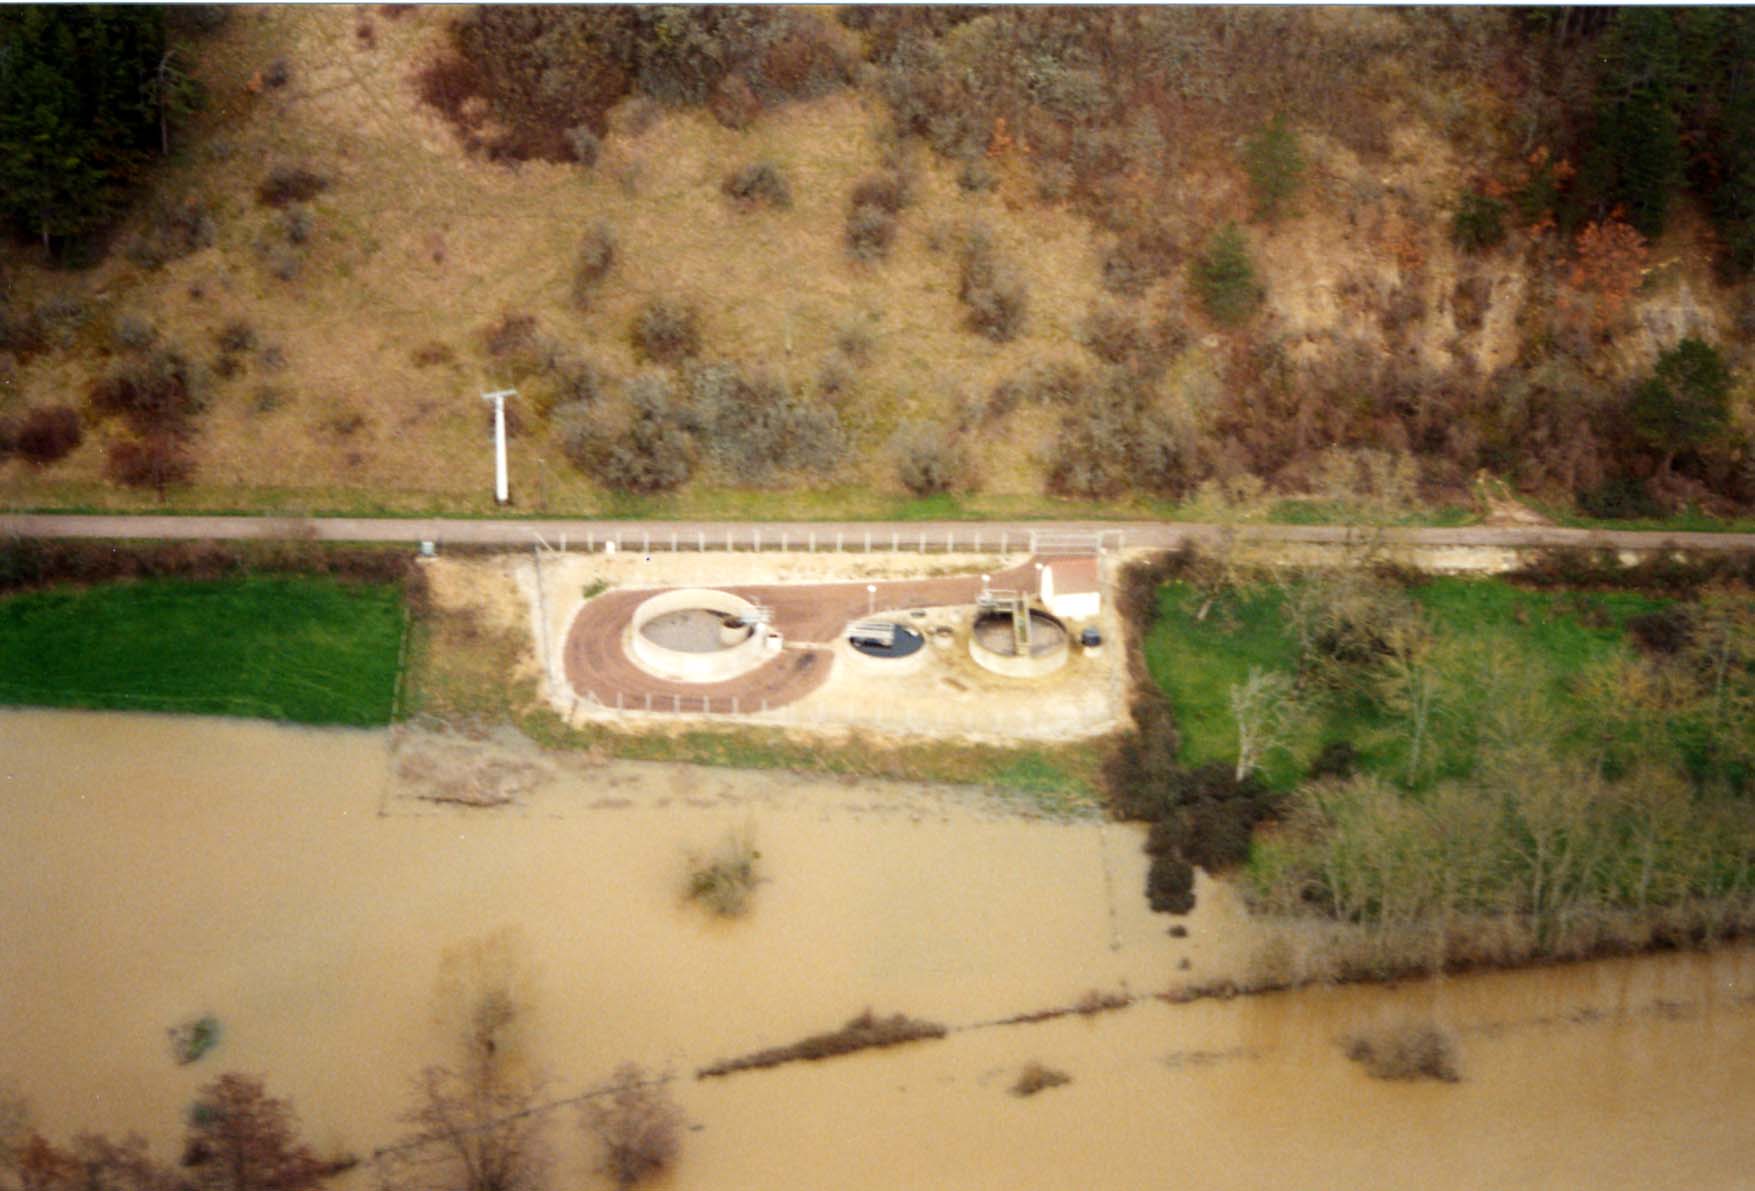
{"points": [[800, 535]]}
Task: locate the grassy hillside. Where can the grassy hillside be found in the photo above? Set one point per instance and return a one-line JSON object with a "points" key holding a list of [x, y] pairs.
{"points": [[375, 217]]}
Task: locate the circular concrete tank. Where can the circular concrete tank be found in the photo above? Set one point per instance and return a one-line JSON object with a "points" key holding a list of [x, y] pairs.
{"points": [[993, 645], [698, 635]]}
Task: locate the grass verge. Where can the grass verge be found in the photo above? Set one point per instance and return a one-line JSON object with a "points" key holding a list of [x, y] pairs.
{"points": [[307, 650], [1196, 663]]}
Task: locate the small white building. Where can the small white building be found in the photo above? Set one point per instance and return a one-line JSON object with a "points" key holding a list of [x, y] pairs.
{"points": [[1070, 589]]}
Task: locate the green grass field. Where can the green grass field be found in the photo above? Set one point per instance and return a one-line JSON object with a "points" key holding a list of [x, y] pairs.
{"points": [[1552, 634], [308, 650]]}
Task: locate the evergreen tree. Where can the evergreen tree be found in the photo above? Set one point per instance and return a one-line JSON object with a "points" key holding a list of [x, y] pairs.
{"points": [[1685, 402], [1634, 156], [79, 112]]}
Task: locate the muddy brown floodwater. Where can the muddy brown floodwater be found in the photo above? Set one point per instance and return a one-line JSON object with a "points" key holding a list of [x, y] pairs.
{"points": [[294, 883]]}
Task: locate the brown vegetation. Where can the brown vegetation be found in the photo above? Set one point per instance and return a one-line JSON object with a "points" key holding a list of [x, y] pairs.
{"points": [[639, 1127], [1406, 1050], [865, 1032], [1035, 1077]]}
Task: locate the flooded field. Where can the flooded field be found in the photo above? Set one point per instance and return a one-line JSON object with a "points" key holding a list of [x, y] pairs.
{"points": [[296, 884]]}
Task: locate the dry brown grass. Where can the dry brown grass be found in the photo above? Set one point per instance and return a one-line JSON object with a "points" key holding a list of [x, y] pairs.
{"points": [[416, 245]]}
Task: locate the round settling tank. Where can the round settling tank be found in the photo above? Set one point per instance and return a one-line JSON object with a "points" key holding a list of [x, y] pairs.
{"points": [[993, 643], [886, 647], [698, 635]]}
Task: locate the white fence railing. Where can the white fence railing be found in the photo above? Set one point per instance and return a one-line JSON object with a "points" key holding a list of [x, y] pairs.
{"points": [[972, 540]]}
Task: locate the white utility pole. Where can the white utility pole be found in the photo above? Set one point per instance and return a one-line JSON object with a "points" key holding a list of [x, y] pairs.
{"points": [[501, 493]]}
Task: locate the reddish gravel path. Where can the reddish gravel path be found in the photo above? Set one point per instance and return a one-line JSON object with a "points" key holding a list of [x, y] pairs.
{"points": [[808, 616]]}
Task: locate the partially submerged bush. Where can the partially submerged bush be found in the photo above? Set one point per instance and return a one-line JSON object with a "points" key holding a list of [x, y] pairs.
{"points": [[1406, 1050], [667, 331], [193, 1038], [724, 880], [1035, 1077], [639, 1126], [865, 1032], [758, 184], [47, 433]]}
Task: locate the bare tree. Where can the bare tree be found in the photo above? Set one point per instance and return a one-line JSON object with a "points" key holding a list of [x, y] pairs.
{"points": [[1412, 685], [1267, 713], [639, 1125], [475, 1122]]}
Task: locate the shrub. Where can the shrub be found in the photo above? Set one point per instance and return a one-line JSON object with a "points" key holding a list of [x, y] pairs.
{"points": [[667, 331], [1224, 278], [1664, 631], [583, 144], [1138, 259], [725, 880], [429, 354], [173, 230], [597, 256], [1479, 222], [132, 333], [512, 333], [1275, 165], [992, 288], [1115, 440], [162, 392], [290, 184], [48, 433], [1170, 884], [1469, 302], [639, 1126], [870, 232], [753, 427], [734, 103], [297, 223], [236, 336], [927, 460], [652, 453], [1619, 498], [157, 462], [1406, 1050], [1039, 384], [758, 184]]}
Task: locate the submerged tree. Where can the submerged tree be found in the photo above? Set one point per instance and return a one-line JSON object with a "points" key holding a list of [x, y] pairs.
{"points": [[242, 1139], [639, 1126]]}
